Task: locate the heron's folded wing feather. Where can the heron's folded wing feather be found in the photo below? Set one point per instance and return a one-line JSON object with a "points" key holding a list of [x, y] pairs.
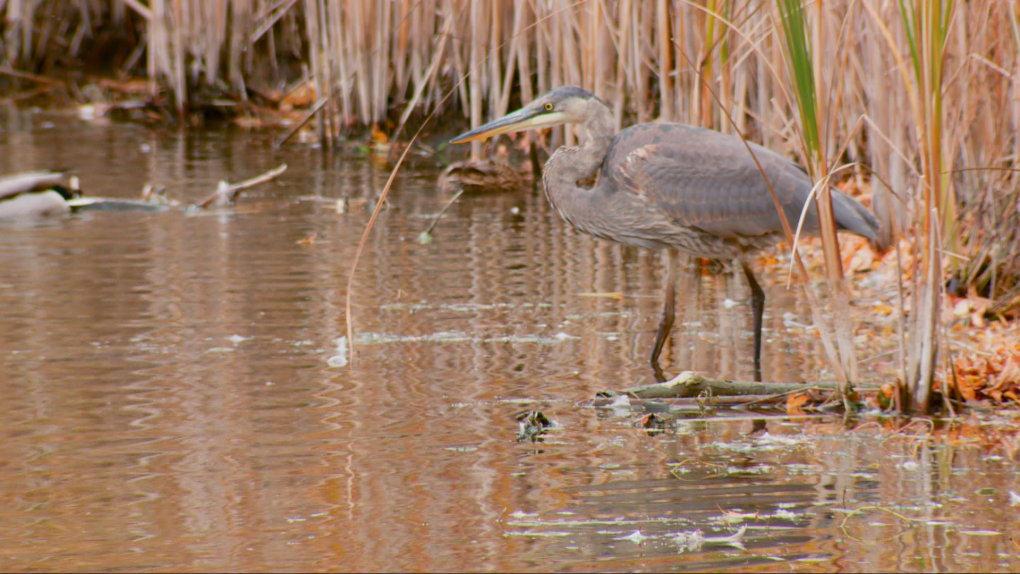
{"points": [[710, 181]]}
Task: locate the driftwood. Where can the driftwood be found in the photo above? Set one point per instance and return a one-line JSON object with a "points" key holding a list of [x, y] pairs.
{"points": [[226, 192], [689, 384]]}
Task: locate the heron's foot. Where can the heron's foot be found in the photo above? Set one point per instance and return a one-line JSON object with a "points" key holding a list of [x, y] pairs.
{"points": [[660, 377]]}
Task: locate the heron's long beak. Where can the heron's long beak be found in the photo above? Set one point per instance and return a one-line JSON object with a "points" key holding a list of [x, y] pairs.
{"points": [[523, 119]]}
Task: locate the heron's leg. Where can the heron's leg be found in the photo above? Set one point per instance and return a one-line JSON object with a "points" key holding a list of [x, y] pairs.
{"points": [[758, 306], [668, 315]]}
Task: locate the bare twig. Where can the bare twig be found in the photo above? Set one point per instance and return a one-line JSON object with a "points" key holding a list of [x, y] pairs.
{"points": [[226, 192], [453, 200], [7, 71]]}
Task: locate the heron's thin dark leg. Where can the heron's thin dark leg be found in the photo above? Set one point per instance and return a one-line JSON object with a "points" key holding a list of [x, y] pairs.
{"points": [[758, 306], [668, 315]]}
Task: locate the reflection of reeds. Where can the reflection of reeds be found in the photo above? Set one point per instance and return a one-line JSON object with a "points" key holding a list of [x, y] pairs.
{"points": [[937, 84]]}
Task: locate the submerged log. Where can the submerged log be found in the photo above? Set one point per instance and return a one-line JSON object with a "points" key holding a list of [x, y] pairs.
{"points": [[689, 384]]}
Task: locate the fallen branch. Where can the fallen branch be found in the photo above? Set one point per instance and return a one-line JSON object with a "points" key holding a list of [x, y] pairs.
{"points": [[226, 192], [8, 71], [689, 384], [29, 94]]}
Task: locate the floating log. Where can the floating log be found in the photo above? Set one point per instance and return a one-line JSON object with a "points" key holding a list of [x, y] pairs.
{"points": [[690, 384]]}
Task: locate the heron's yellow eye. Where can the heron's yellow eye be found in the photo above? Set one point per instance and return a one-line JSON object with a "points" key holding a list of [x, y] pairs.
{"points": [[549, 107]]}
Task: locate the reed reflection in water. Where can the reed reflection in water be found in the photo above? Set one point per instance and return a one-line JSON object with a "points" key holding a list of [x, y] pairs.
{"points": [[168, 401]]}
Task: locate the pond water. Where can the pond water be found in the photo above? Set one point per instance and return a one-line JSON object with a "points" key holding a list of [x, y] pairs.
{"points": [[173, 397]]}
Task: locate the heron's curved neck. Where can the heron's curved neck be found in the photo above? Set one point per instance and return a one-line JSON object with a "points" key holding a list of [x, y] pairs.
{"points": [[568, 165], [582, 162]]}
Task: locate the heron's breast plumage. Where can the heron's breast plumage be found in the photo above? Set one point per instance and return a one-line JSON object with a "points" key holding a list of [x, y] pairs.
{"points": [[608, 212]]}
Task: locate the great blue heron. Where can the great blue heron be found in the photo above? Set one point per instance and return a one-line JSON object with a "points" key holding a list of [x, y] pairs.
{"points": [[673, 187]]}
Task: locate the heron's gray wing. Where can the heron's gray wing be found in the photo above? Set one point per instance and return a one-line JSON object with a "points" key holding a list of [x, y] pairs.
{"points": [[709, 181], [28, 181]]}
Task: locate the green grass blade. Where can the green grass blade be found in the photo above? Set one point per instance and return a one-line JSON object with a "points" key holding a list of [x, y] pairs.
{"points": [[801, 71]]}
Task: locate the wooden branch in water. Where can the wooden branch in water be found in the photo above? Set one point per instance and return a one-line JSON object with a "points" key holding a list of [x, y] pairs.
{"points": [[226, 192], [689, 384]]}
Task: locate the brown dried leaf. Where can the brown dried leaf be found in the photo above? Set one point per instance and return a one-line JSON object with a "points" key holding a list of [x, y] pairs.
{"points": [[379, 136], [862, 258], [795, 402]]}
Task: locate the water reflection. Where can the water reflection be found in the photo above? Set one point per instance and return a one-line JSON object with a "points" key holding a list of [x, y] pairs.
{"points": [[169, 404]]}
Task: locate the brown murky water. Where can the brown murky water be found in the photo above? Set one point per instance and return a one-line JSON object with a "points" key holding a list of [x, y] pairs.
{"points": [[172, 400]]}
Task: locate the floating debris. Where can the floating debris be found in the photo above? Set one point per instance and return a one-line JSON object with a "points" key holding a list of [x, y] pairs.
{"points": [[462, 448], [340, 358], [655, 422], [533, 424], [734, 517], [695, 539], [636, 537]]}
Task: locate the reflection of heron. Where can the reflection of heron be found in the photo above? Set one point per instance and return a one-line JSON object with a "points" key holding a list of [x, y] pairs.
{"points": [[674, 187]]}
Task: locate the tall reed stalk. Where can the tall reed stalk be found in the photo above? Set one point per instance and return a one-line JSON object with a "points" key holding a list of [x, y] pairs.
{"points": [[802, 44], [927, 25]]}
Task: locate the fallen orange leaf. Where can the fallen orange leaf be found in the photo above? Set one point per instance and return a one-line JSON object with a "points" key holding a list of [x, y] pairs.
{"points": [[378, 136], [795, 402]]}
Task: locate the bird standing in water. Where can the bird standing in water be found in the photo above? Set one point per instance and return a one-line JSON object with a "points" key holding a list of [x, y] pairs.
{"points": [[674, 187]]}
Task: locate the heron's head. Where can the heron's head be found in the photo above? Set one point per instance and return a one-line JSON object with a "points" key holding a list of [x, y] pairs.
{"points": [[566, 105]]}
